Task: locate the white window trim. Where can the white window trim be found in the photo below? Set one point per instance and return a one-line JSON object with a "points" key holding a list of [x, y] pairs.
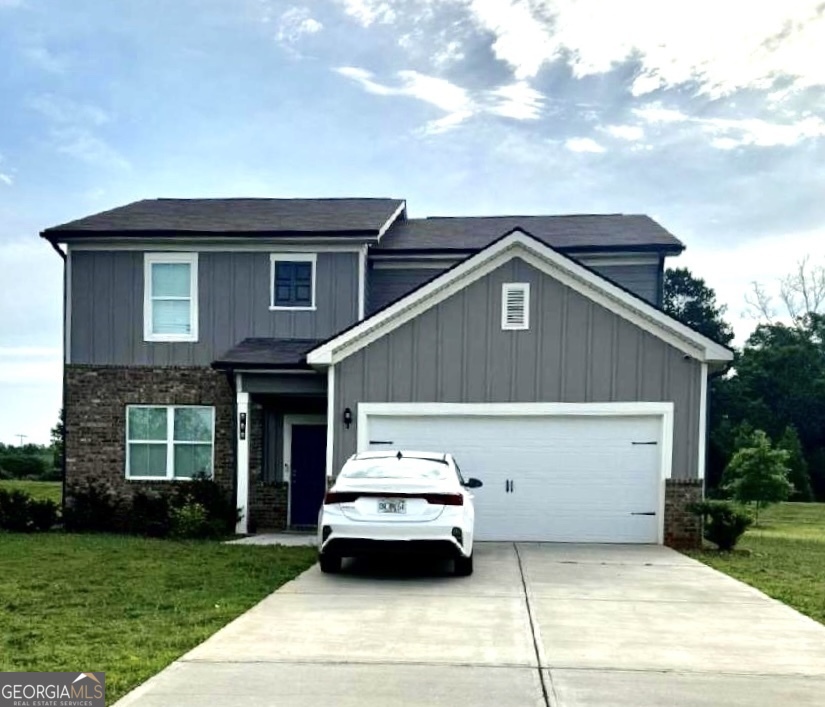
{"points": [[169, 442], [506, 289], [150, 259], [291, 257]]}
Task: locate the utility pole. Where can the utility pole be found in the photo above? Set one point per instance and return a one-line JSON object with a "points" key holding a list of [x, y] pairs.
{"points": [[22, 437]]}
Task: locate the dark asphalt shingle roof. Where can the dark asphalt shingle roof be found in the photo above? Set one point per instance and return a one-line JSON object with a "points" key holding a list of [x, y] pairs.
{"points": [[267, 353], [236, 216], [575, 232]]}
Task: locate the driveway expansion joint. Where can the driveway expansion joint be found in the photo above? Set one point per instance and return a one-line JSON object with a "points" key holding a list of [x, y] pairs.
{"points": [[545, 692]]}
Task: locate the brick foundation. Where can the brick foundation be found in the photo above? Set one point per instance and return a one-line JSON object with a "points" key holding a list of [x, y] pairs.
{"points": [[95, 410], [683, 529], [267, 506]]}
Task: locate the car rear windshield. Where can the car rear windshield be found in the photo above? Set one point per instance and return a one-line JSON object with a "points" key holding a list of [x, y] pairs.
{"points": [[396, 469]]}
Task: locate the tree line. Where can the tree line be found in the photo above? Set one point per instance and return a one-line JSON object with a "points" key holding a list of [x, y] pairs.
{"points": [[772, 396]]}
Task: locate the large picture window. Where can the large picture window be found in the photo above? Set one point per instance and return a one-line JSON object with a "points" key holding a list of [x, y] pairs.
{"points": [[168, 442], [170, 305], [293, 281]]}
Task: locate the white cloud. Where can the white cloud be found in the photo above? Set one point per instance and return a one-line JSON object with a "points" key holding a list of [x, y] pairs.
{"points": [[6, 179], [583, 144], [625, 132], [367, 12], [63, 110], [729, 133], [295, 23], [85, 146], [721, 47], [518, 100]]}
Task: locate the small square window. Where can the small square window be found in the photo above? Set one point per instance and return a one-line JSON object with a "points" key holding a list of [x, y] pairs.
{"points": [[293, 281]]}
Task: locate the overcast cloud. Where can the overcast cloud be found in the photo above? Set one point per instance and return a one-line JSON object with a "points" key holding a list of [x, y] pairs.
{"points": [[706, 115]]}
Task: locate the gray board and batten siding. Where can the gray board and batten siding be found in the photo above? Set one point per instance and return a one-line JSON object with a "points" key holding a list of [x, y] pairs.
{"points": [[233, 304], [574, 351], [388, 284]]}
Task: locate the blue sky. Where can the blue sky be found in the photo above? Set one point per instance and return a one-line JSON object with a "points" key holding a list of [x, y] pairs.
{"points": [[706, 115]]}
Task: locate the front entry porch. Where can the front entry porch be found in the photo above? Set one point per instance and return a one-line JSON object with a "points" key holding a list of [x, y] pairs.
{"points": [[281, 450]]}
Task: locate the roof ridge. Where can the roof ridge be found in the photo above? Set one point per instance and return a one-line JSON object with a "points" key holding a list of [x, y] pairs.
{"points": [[500, 216]]}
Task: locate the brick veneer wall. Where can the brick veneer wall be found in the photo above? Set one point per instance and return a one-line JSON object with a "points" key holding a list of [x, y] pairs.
{"points": [[95, 410], [683, 529], [267, 501]]}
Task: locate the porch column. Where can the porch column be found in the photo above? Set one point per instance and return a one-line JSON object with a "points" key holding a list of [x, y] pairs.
{"points": [[242, 457]]}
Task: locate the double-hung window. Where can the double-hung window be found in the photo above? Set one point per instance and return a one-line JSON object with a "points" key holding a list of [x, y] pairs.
{"points": [[170, 301], [169, 442], [293, 281]]}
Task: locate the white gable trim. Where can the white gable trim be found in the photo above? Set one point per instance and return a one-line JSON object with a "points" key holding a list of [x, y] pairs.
{"points": [[391, 220], [543, 258]]}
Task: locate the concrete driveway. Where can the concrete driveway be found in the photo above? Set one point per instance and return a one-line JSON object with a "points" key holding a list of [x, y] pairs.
{"points": [[537, 624]]}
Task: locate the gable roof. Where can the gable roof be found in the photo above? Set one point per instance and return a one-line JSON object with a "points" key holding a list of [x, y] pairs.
{"points": [[519, 243], [236, 217], [586, 232]]}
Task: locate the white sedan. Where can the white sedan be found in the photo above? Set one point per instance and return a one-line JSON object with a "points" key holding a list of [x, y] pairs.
{"points": [[387, 502]]}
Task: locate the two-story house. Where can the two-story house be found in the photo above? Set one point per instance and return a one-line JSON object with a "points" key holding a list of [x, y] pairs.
{"points": [[263, 341]]}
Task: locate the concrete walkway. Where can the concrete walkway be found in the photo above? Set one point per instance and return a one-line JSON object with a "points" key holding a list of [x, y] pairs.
{"points": [[537, 624]]}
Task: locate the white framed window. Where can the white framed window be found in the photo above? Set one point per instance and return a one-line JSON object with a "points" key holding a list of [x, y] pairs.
{"points": [[292, 281], [515, 306], [170, 297], [169, 441]]}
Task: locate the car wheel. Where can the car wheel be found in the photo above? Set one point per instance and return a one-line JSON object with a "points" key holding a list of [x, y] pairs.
{"points": [[463, 566], [330, 564]]}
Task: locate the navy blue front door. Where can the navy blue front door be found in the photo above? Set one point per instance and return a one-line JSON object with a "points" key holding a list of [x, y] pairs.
{"points": [[309, 482]]}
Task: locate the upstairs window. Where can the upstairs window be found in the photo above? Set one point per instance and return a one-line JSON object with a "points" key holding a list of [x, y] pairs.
{"points": [[293, 281], [170, 304], [515, 305]]}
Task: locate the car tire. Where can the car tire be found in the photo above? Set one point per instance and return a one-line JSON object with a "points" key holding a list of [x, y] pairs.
{"points": [[330, 564], [463, 566]]}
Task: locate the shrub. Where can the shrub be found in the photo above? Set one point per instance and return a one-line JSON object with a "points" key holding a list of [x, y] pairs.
{"points": [[14, 510], [151, 514], [190, 521], [221, 513], [21, 513], [92, 506], [723, 522], [44, 514]]}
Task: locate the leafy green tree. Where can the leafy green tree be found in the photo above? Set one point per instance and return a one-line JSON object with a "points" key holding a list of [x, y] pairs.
{"points": [[57, 437], [690, 300], [798, 473], [758, 473]]}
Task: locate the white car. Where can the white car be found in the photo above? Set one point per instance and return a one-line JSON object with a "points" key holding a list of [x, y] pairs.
{"points": [[388, 502]]}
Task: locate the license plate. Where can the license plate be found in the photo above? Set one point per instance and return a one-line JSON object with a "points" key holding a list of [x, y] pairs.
{"points": [[392, 506]]}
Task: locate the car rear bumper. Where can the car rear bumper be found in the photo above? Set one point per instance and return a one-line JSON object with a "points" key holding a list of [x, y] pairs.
{"points": [[435, 539]]}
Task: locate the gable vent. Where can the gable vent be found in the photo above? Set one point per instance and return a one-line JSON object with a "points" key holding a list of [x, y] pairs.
{"points": [[515, 305]]}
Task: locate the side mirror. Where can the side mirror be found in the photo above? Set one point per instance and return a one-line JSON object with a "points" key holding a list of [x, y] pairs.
{"points": [[473, 483]]}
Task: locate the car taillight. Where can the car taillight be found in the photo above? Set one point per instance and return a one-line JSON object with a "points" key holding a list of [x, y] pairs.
{"points": [[340, 497], [444, 499]]}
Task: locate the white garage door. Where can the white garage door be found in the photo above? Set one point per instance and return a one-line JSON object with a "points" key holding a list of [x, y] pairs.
{"points": [[546, 478]]}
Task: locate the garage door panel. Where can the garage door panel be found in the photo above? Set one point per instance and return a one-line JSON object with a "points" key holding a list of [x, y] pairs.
{"points": [[575, 479]]}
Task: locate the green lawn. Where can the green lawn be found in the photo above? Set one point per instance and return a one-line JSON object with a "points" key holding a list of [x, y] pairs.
{"points": [[38, 489], [124, 605], [784, 556]]}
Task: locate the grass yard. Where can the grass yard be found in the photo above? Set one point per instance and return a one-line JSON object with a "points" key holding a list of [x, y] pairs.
{"points": [[785, 556], [124, 605], [39, 489]]}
